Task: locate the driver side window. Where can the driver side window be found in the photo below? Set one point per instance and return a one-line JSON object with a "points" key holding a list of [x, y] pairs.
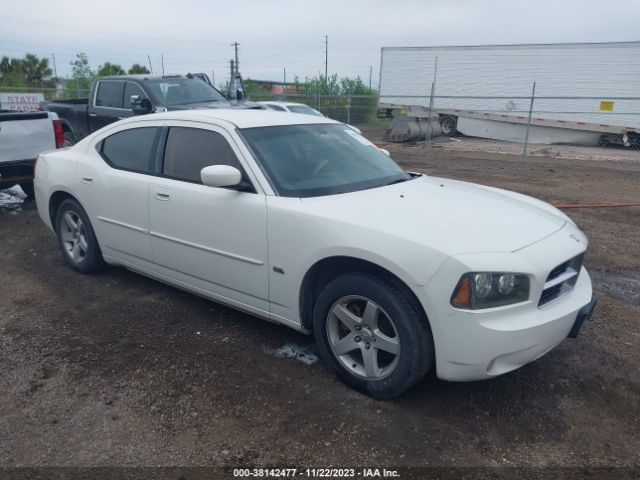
{"points": [[189, 150]]}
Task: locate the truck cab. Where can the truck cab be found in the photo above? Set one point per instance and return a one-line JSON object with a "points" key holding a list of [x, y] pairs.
{"points": [[118, 97]]}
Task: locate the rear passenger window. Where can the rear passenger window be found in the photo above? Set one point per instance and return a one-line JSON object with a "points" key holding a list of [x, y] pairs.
{"points": [[131, 149], [110, 94], [189, 150]]}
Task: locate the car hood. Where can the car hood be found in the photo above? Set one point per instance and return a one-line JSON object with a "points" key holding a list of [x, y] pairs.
{"points": [[452, 216]]}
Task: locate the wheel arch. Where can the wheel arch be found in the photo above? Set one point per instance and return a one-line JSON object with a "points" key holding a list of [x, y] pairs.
{"points": [[328, 268], [55, 200], [68, 128]]}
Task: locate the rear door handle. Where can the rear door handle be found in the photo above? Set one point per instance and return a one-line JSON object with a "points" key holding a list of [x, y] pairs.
{"points": [[91, 114], [161, 194], [87, 180]]}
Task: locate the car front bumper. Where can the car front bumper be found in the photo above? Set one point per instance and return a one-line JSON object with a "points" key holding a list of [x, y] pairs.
{"points": [[475, 345]]}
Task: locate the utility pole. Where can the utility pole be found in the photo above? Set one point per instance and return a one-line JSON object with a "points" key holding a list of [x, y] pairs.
{"points": [[55, 70], [150, 67], [235, 46], [370, 73], [326, 58], [284, 75], [162, 61]]}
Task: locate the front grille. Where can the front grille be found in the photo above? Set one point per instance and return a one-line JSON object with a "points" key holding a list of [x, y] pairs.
{"points": [[561, 280]]}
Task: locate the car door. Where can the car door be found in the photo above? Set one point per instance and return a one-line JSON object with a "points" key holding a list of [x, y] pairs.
{"points": [[213, 239], [107, 105], [114, 188]]}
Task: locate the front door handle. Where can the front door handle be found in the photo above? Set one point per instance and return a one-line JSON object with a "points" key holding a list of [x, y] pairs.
{"points": [[91, 114], [161, 194], [87, 180]]}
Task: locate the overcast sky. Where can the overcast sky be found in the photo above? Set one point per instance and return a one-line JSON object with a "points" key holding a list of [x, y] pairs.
{"points": [[195, 35]]}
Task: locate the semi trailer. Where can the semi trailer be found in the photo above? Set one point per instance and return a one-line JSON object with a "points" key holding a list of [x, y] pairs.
{"points": [[574, 93]]}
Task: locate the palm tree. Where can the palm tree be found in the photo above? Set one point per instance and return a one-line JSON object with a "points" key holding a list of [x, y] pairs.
{"points": [[35, 69]]}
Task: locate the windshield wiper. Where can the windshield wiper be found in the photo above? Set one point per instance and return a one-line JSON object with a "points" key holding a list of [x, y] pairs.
{"points": [[397, 180]]}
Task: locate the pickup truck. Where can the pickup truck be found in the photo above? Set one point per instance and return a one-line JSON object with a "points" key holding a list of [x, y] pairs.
{"points": [[114, 98], [23, 137]]}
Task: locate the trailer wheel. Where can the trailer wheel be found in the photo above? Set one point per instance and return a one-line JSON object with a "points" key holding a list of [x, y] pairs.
{"points": [[448, 125]]}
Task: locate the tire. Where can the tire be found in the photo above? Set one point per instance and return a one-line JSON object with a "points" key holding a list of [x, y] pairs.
{"points": [[76, 238], [27, 188], [448, 125], [380, 319]]}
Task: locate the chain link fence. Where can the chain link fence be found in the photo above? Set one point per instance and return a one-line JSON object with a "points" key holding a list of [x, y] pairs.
{"points": [[514, 124], [353, 109]]}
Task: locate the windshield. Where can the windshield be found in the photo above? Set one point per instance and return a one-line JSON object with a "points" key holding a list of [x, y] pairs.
{"points": [[180, 91], [304, 109], [320, 159]]}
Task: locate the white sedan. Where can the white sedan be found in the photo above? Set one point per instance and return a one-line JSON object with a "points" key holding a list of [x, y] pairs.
{"points": [[299, 220], [291, 107]]}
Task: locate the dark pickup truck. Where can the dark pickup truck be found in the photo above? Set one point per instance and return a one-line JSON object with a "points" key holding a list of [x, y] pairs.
{"points": [[115, 98]]}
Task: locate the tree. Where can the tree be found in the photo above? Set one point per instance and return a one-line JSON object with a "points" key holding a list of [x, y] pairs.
{"points": [[30, 71], [81, 73], [109, 69], [137, 69], [35, 69]]}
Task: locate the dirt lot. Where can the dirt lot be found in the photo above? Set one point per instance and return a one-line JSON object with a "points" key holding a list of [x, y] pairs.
{"points": [[116, 369]]}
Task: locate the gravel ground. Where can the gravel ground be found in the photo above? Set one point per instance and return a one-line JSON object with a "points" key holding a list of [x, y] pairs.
{"points": [[116, 369]]}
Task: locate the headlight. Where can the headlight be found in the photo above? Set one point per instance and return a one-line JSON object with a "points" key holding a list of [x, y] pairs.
{"points": [[477, 290]]}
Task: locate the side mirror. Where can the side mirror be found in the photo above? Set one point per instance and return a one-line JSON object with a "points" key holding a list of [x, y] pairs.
{"points": [[220, 176], [385, 151], [140, 105]]}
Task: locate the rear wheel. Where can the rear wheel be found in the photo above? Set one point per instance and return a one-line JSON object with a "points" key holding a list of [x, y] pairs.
{"points": [[370, 333], [76, 238], [448, 125]]}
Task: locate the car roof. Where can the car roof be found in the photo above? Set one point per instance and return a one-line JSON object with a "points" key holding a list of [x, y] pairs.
{"points": [[145, 76], [241, 118], [285, 104]]}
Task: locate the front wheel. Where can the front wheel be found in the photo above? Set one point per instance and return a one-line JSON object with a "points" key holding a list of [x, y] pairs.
{"points": [[370, 333], [76, 238]]}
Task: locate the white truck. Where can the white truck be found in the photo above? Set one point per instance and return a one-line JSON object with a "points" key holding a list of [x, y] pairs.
{"points": [[23, 137], [585, 93]]}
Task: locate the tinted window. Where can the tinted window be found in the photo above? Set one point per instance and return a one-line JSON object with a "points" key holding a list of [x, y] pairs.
{"points": [[110, 94], [189, 150], [276, 107], [131, 89], [131, 149]]}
